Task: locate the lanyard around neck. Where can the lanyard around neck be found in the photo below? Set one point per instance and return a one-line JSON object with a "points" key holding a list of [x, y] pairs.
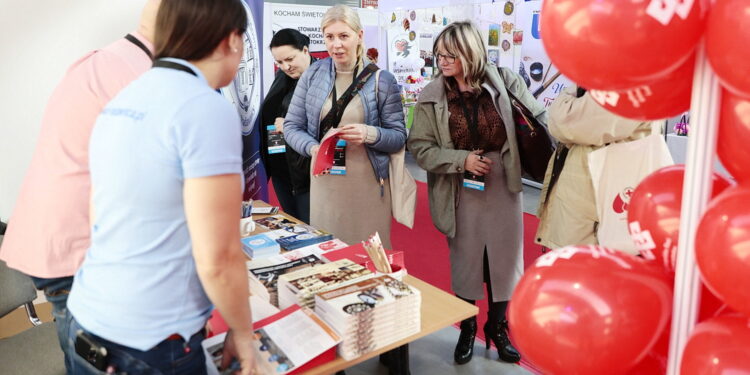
{"points": [[334, 105], [173, 65], [130, 38]]}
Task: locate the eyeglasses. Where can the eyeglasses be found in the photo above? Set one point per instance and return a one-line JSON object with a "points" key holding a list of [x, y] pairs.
{"points": [[447, 58]]}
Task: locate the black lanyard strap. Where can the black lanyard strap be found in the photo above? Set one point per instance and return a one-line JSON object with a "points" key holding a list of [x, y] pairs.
{"points": [[334, 102], [332, 119], [139, 44], [472, 122], [173, 65]]}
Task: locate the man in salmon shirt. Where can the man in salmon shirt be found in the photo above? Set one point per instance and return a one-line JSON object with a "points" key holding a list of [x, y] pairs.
{"points": [[48, 233]]}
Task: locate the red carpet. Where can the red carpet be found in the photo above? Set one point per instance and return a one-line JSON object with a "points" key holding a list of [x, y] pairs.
{"points": [[426, 250]]}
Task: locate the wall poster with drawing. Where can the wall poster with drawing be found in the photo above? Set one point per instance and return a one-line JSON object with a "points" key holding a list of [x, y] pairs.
{"points": [[542, 78]]}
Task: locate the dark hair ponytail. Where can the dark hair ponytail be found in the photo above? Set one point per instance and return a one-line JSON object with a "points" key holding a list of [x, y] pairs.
{"points": [[192, 29], [290, 37]]}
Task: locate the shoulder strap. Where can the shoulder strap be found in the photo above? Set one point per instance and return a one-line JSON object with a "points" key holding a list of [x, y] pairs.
{"points": [[333, 117], [140, 45]]}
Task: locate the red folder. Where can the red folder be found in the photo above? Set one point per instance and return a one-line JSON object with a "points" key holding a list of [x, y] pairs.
{"points": [[357, 254], [324, 159]]}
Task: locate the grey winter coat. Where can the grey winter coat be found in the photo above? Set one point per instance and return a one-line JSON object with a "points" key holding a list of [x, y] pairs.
{"points": [[386, 113]]}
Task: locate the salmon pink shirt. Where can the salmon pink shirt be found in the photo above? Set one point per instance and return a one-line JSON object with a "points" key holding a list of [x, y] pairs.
{"points": [[48, 233]]}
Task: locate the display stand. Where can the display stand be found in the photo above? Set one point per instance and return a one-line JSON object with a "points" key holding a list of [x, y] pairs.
{"points": [[696, 193]]}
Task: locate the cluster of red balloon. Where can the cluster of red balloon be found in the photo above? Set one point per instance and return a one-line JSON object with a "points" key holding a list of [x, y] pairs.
{"points": [[636, 56], [592, 310]]}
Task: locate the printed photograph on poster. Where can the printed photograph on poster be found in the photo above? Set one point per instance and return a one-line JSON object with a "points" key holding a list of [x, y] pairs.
{"points": [[493, 56], [494, 37], [544, 80], [425, 49]]}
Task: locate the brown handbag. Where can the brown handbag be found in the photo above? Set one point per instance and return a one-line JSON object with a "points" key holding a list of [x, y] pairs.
{"points": [[535, 145]]}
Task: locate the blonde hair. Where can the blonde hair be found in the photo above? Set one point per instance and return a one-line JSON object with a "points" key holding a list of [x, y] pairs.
{"points": [[463, 40], [347, 15]]}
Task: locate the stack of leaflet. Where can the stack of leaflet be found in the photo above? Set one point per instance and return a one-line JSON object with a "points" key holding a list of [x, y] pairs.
{"points": [[260, 246], [266, 271], [370, 314], [299, 287]]}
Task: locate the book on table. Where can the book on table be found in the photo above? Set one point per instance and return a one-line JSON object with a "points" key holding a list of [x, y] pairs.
{"points": [[284, 343], [370, 314], [299, 287]]}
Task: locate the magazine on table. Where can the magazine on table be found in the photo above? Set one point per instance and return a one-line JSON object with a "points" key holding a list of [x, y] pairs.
{"points": [[284, 342], [299, 287], [268, 270]]}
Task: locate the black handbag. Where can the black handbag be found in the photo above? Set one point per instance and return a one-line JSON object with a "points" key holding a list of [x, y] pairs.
{"points": [[535, 145]]}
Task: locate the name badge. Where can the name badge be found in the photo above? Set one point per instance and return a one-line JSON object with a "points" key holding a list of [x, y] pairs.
{"points": [[339, 158], [276, 143], [473, 182]]}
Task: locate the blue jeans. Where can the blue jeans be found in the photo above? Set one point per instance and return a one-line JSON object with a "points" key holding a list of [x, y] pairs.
{"points": [[167, 357], [56, 290]]}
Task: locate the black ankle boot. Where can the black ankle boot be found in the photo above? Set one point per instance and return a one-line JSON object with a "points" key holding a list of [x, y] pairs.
{"points": [[498, 334], [465, 346]]}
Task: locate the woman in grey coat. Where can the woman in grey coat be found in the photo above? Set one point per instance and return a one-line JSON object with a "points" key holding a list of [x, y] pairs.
{"points": [[463, 136], [356, 204]]}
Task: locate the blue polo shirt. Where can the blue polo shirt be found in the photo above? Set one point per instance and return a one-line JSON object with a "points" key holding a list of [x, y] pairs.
{"points": [[138, 283]]}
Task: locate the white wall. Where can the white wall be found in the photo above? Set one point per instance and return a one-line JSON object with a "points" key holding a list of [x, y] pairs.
{"points": [[39, 40]]}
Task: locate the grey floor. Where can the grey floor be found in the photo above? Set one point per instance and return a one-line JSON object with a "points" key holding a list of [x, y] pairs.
{"points": [[433, 355]]}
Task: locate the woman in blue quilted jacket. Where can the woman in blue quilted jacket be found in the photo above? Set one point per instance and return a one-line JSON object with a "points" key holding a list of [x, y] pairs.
{"points": [[354, 199]]}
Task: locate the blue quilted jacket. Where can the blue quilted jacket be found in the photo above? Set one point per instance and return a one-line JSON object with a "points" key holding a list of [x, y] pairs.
{"points": [[386, 113]]}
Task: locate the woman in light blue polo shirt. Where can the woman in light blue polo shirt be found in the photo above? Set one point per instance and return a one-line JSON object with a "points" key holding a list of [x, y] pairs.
{"points": [[165, 158]]}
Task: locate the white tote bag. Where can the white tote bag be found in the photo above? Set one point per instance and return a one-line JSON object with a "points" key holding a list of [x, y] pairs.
{"points": [[616, 170], [402, 183]]}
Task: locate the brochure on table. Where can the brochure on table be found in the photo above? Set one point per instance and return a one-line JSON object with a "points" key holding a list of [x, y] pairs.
{"points": [[284, 342]]}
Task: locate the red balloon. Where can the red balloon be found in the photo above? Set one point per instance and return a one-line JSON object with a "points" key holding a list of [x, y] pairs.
{"points": [[719, 346], [620, 44], [722, 245], [654, 213], [711, 306], [655, 362], [727, 38], [582, 309], [663, 98], [734, 136]]}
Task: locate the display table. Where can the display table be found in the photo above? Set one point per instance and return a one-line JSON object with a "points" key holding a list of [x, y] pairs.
{"points": [[438, 310]]}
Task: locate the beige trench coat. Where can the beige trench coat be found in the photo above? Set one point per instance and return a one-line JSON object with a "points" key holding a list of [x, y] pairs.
{"points": [[569, 217]]}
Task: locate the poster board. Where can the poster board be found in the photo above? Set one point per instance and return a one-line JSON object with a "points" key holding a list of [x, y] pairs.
{"points": [[244, 92], [306, 19], [534, 65]]}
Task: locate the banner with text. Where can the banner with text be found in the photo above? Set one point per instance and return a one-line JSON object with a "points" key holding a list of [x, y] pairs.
{"points": [[306, 19]]}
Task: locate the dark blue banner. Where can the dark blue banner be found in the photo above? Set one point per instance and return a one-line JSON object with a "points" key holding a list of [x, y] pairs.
{"points": [[246, 93]]}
